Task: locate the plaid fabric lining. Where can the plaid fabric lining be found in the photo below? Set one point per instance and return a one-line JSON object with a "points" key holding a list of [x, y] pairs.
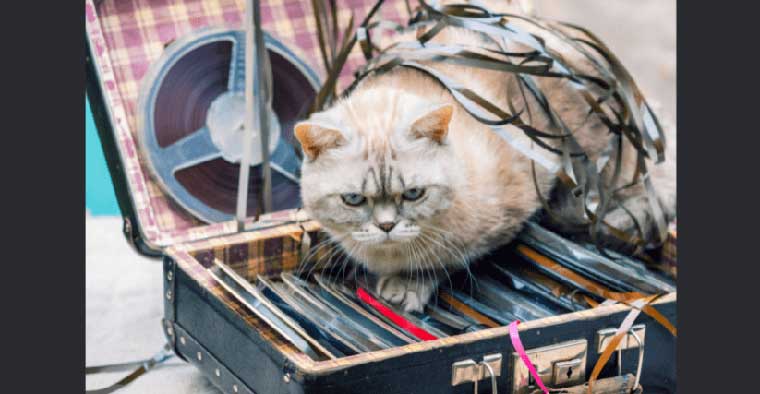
{"points": [[251, 253], [129, 35]]}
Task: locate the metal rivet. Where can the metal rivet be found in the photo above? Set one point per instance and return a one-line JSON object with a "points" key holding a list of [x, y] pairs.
{"points": [[234, 388], [170, 331], [182, 340], [169, 275], [217, 372], [200, 356], [169, 295], [286, 378]]}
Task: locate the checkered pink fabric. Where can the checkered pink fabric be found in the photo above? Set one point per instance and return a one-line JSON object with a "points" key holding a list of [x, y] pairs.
{"points": [[127, 36]]}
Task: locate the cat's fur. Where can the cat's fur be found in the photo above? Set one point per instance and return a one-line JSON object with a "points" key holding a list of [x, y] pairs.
{"points": [[402, 130]]}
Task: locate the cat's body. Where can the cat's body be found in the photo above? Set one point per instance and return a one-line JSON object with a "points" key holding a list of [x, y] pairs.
{"points": [[413, 187]]}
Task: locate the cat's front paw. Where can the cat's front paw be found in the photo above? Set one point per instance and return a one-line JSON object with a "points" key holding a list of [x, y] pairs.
{"points": [[410, 294]]}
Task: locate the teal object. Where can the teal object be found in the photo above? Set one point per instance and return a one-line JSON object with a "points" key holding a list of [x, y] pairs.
{"points": [[99, 195]]}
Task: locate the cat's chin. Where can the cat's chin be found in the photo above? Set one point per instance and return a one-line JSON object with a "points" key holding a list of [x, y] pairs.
{"points": [[384, 258], [392, 243]]}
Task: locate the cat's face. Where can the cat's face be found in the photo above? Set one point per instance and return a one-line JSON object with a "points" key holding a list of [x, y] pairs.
{"points": [[379, 181]]}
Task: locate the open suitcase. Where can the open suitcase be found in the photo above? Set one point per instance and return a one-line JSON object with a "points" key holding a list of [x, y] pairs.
{"points": [[239, 352]]}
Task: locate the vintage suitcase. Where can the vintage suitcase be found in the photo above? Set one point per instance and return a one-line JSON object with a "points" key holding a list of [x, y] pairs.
{"points": [[240, 353]]}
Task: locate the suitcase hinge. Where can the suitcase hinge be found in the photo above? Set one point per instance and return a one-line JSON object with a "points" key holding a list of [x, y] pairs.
{"points": [[170, 296]]}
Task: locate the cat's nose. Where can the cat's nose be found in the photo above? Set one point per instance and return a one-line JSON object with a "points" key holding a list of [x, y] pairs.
{"points": [[386, 226]]}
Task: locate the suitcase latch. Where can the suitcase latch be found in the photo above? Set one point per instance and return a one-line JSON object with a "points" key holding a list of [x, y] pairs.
{"points": [[472, 372], [634, 340], [603, 337], [559, 365]]}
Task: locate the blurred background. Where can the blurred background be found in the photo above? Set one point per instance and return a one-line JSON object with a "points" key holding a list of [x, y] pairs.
{"points": [[123, 290]]}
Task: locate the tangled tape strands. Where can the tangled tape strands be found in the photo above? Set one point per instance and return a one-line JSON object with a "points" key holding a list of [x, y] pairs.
{"points": [[612, 96], [596, 288]]}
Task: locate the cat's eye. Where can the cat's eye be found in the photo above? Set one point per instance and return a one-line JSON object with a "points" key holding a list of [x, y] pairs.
{"points": [[353, 199], [413, 193]]}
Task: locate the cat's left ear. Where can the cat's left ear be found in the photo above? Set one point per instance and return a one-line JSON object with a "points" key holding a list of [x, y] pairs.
{"points": [[434, 124], [316, 138]]}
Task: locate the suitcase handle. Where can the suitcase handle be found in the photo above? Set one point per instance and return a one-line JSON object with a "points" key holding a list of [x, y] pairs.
{"points": [[142, 367]]}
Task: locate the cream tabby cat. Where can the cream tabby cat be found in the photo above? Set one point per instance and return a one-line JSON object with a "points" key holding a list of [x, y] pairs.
{"points": [[412, 186]]}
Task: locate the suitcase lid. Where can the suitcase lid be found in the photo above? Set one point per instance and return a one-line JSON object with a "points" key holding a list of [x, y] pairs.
{"points": [[126, 38]]}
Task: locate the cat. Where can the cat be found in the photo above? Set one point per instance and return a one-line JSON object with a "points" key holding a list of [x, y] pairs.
{"points": [[413, 188]]}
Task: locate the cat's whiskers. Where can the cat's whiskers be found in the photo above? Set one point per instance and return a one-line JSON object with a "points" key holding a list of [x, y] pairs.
{"points": [[346, 258], [336, 247], [427, 272], [367, 237], [456, 252], [421, 254], [419, 262], [327, 242], [326, 257], [415, 263], [431, 253], [408, 247]]}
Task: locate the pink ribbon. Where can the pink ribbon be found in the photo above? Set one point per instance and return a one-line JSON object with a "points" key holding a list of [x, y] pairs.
{"points": [[518, 346]]}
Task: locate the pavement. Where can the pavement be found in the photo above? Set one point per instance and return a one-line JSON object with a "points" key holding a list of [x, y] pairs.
{"points": [[123, 295], [123, 314]]}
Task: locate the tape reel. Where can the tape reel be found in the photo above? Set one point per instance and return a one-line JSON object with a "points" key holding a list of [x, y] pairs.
{"points": [[190, 122]]}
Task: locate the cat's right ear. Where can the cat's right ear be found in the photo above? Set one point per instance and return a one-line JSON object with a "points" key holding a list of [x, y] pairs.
{"points": [[434, 124], [315, 138]]}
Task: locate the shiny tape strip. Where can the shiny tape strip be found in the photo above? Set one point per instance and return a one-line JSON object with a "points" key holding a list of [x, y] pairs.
{"points": [[400, 321], [468, 311]]}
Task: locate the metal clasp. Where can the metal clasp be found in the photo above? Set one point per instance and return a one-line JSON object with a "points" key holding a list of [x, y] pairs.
{"points": [[603, 337], [558, 365], [470, 371], [634, 339]]}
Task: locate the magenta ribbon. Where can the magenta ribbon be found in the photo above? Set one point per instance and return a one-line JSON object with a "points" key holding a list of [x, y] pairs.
{"points": [[520, 349]]}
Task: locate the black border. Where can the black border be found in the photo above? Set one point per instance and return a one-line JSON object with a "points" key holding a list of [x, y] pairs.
{"points": [[43, 157], [717, 189]]}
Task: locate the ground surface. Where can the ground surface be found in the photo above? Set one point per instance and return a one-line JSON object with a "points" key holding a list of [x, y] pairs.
{"points": [[123, 295], [124, 310]]}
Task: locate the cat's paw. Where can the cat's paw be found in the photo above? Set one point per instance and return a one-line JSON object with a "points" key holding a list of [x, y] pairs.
{"points": [[411, 295]]}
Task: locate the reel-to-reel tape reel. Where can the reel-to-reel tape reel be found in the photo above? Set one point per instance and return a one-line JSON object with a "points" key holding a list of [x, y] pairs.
{"points": [[190, 120]]}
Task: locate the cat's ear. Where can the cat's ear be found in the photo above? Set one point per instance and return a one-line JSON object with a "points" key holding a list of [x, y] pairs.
{"points": [[434, 124], [315, 138]]}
